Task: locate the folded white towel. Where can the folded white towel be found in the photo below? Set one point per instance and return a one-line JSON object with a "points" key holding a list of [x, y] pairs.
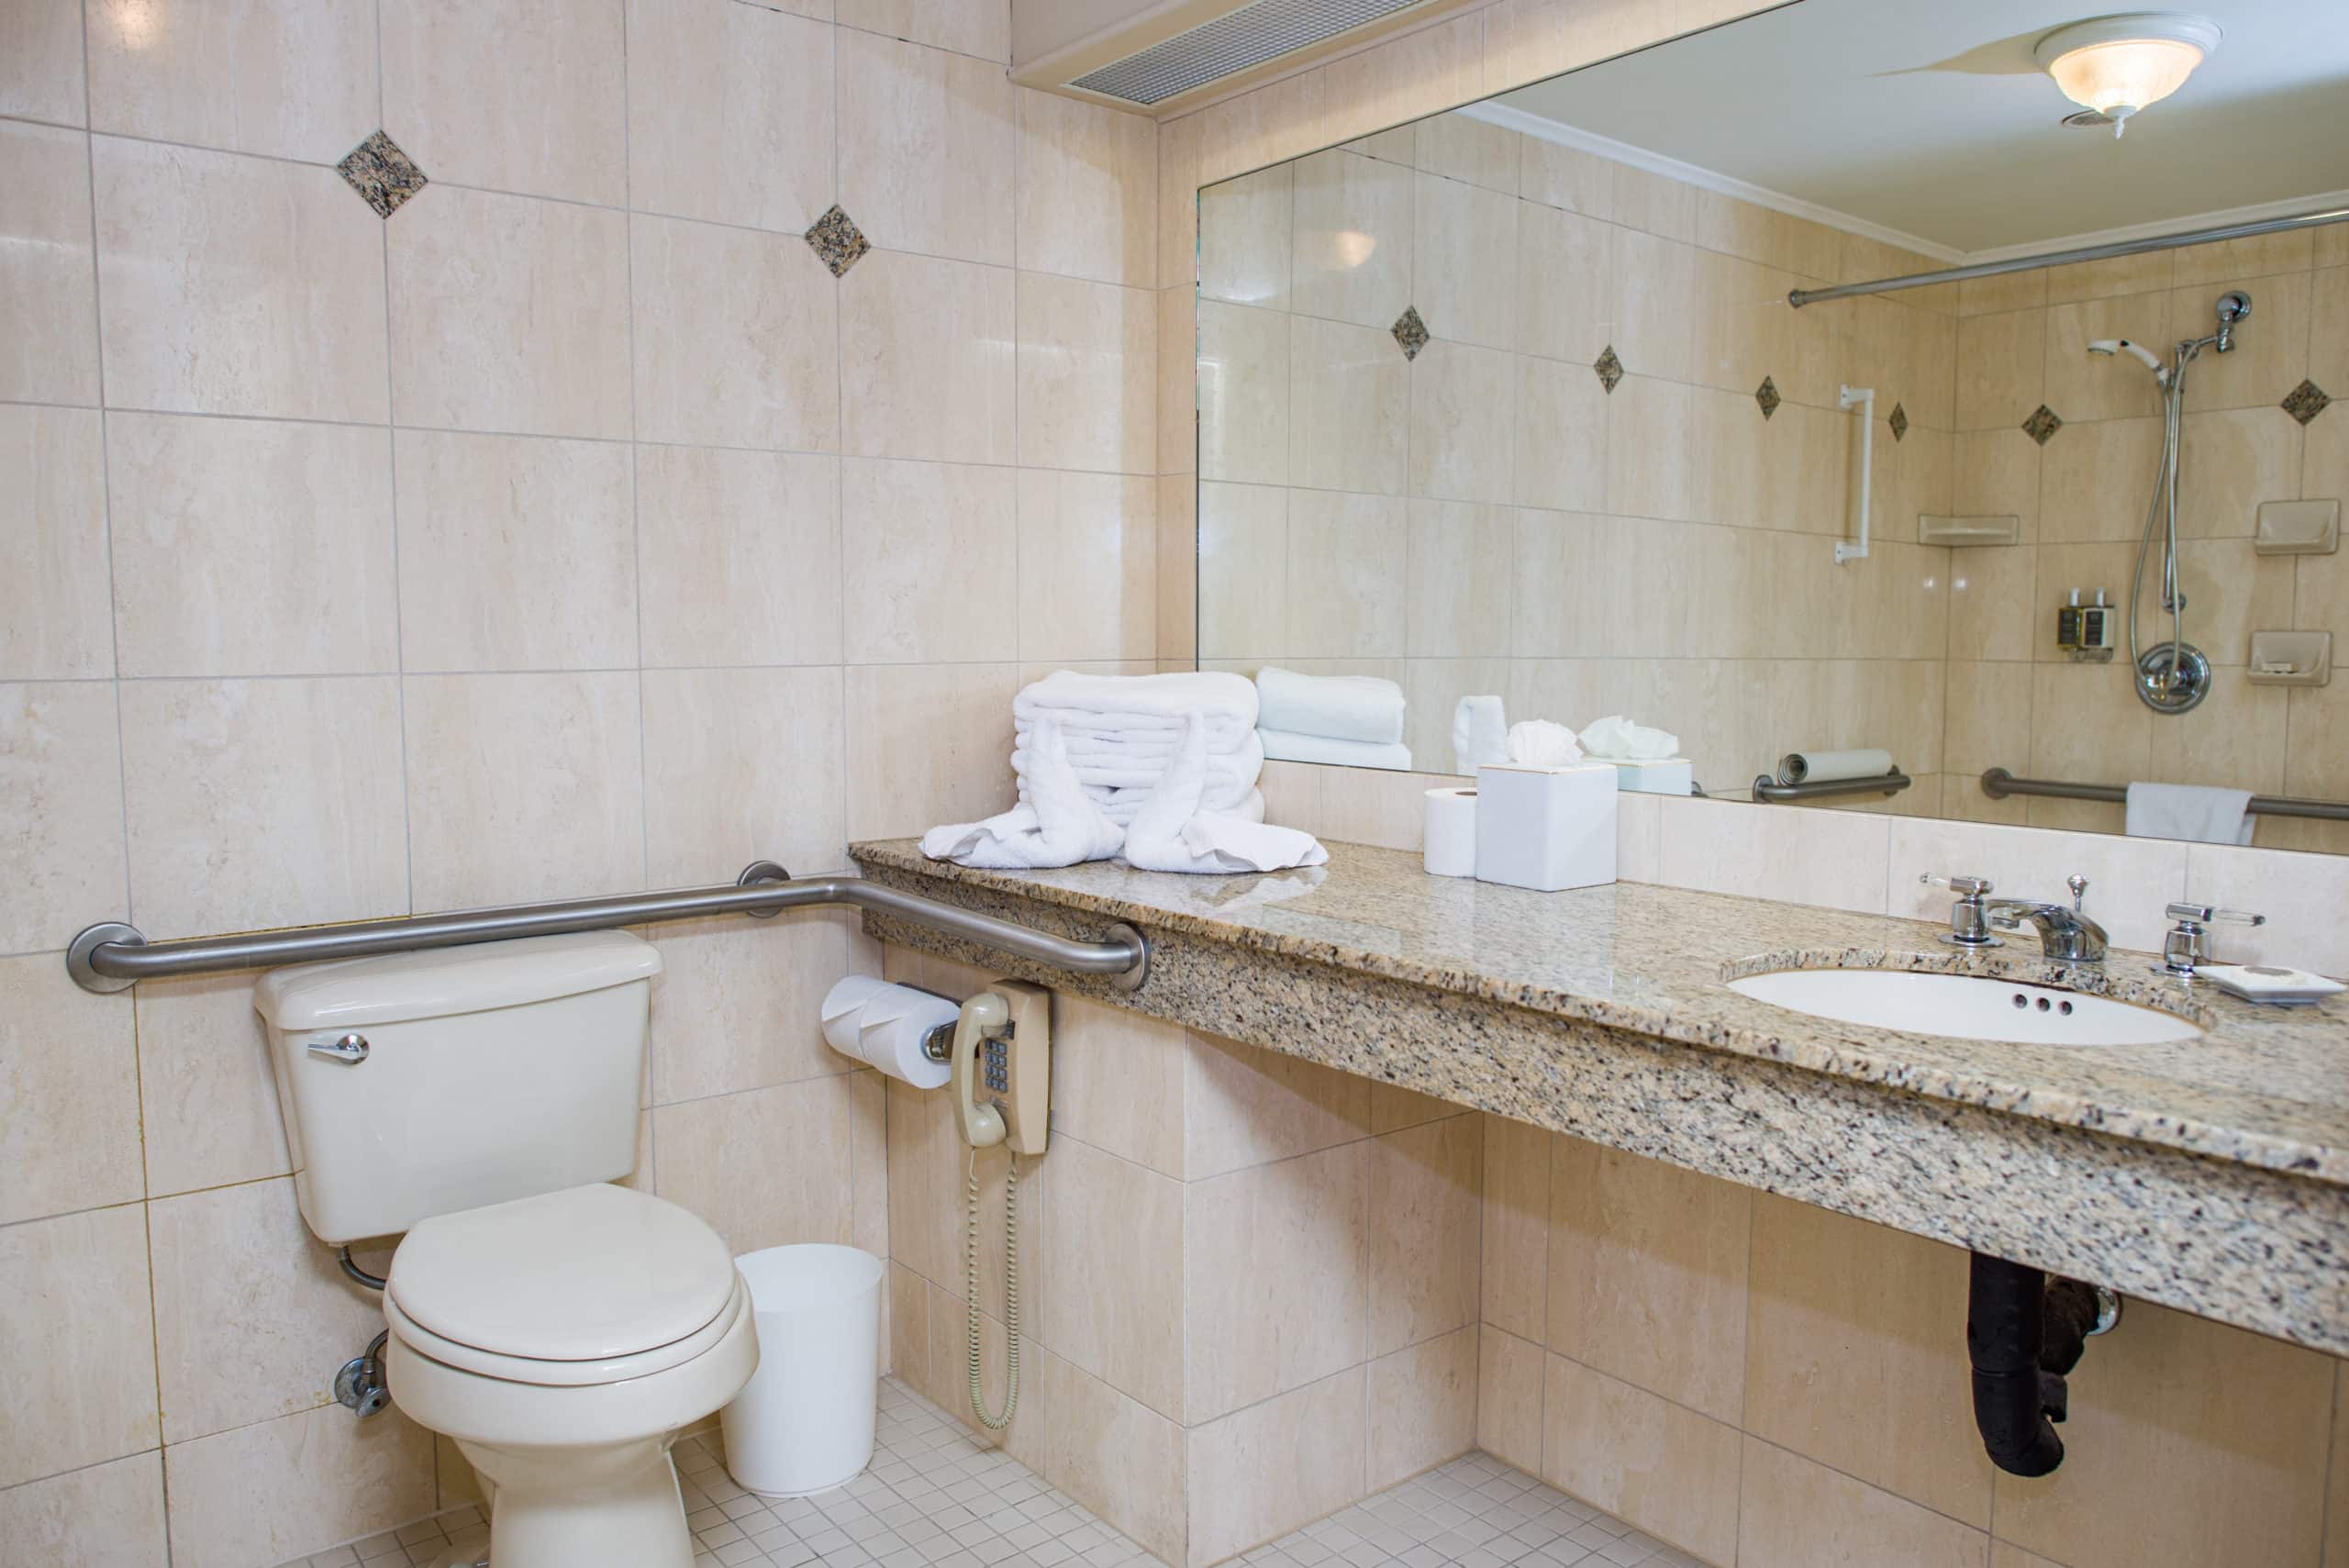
{"points": [[1159, 700], [1343, 707], [1056, 823], [1106, 771], [1282, 745], [1479, 734], [1171, 832], [2195, 812]]}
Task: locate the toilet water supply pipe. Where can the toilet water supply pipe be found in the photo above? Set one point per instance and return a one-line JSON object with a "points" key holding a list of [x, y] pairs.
{"points": [[1865, 397]]}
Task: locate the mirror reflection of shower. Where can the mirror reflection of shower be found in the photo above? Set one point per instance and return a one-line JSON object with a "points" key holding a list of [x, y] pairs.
{"points": [[2175, 675]]}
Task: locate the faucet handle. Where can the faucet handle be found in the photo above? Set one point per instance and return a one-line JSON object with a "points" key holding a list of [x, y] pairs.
{"points": [[2211, 915], [2188, 945], [1964, 887]]}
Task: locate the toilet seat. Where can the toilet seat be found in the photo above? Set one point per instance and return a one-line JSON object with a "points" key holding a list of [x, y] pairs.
{"points": [[587, 1286]]}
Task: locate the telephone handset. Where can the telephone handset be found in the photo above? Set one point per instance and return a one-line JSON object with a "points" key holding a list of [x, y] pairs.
{"points": [[1002, 1049]]}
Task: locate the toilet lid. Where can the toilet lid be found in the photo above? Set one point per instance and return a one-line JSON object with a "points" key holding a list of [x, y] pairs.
{"points": [[587, 1273]]}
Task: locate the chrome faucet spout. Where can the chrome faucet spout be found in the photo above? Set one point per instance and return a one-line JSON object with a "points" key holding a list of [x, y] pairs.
{"points": [[2065, 933]]}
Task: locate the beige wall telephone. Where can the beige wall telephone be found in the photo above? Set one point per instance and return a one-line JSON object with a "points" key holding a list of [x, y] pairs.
{"points": [[1002, 1079]]}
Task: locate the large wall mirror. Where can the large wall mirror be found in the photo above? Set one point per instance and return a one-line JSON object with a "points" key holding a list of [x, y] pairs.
{"points": [[1512, 405]]}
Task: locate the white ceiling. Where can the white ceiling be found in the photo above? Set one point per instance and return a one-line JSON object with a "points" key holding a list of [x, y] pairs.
{"points": [[1928, 117]]}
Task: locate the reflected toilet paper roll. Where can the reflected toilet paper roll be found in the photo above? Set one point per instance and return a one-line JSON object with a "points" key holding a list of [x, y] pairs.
{"points": [[1450, 847], [1824, 767], [884, 1026]]}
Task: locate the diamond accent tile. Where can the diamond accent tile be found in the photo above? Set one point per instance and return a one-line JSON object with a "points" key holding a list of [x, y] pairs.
{"points": [[2042, 424], [1767, 395], [2306, 401], [1609, 368], [1899, 421], [384, 176], [1410, 331], [836, 241]]}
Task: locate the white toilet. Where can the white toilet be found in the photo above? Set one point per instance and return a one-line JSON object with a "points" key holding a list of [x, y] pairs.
{"points": [[561, 1330]]}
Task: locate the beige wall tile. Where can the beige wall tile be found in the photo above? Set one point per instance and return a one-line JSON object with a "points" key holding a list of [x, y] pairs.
{"points": [[1349, 419], [927, 360], [1392, 1109], [1348, 575], [2004, 1556], [56, 609], [2001, 360], [263, 802], [1514, 1271], [1413, 74], [1464, 262], [1560, 437], [795, 1136], [977, 28], [1830, 858], [293, 1486], [2297, 893], [1178, 381], [510, 315], [1263, 1470], [2188, 1442], [251, 1313], [1460, 148], [737, 1002], [723, 537], [1422, 1405], [924, 148], [729, 113], [526, 95], [247, 547], [1122, 1458], [1273, 1297], [1637, 1248], [500, 767], [69, 1094], [928, 744], [49, 323], [515, 553], [110, 1515], [929, 1175], [735, 337], [1247, 1108], [1245, 239], [1564, 177], [1795, 1514], [1244, 395], [1088, 375], [1178, 570], [1118, 1083], [2229, 461], [2250, 374], [1086, 195], [742, 765], [209, 1094], [2080, 385], [1088, 566], [1463, 418], [2337, 1495], [72, 1296], [868, 1109], [1460, 579], [228, 282], [908, 1317], [2129, 879], [1650, 1463], [1508, 1399], [1114, 1262], [41, 62], [1425, 1185], [1855, 1356], [900, 524], [285, 81], [1341, 197]]}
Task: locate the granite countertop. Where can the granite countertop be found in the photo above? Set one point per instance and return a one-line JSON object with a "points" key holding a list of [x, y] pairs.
{"points": [[2266, 1087]]}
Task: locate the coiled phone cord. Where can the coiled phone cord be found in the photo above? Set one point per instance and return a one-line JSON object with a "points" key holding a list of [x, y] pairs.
{"points": [[1010, 1293]]}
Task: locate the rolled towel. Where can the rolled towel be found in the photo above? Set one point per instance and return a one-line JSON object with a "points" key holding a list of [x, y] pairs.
{"points": [[1173, 832], [2197, 812], [1341, 707], [1281, 746], [1479, 734], [1617, 740], [1056, 823], [1162, 701]]}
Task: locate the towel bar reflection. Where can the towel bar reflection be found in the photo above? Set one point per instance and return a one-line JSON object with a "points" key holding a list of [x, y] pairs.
{"points": [[111, 956], [1997, 784]]}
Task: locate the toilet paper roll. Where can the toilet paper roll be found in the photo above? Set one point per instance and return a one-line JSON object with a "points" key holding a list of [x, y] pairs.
{"points": [[1451, 843], [1820, 767], [841, 1006], [891, 1027]]}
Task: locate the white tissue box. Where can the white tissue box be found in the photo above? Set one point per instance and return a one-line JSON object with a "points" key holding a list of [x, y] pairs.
{"points": [[1546, 827], [1665, 776]]}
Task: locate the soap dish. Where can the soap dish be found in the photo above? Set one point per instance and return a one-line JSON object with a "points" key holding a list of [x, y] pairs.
{"points": [[2270, 984]]}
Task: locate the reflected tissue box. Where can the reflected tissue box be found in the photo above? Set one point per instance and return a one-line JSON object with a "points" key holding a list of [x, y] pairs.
{"points": [[1546, 827], [1664, 775]]}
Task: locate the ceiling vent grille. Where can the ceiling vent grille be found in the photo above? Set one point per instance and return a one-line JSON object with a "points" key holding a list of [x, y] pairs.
{"points": [[1231, 43]]}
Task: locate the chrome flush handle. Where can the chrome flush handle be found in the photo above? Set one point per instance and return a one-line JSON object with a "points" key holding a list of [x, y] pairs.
{"points": [[350, 1048]]}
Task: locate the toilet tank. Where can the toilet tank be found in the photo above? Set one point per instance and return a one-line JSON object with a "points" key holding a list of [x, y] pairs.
{"points": [[424, 1083]]}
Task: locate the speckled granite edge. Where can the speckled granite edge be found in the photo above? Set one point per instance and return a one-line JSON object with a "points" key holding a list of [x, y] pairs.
{"points": [[2174, 1120]]}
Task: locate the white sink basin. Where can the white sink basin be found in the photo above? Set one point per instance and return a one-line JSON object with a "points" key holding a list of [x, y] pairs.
{"points": [[1965, 1007]]}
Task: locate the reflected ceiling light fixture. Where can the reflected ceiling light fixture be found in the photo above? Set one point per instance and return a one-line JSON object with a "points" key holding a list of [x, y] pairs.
{"points": [[2116, 65]]}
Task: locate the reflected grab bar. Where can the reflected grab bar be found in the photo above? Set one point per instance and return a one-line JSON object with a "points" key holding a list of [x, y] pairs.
{"points": [[1769, 790], [111, 956], [1999, 784]]}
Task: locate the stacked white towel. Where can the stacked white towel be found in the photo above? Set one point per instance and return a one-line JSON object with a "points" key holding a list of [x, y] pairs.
{"points": [[1353, 720], [1122, 734]]}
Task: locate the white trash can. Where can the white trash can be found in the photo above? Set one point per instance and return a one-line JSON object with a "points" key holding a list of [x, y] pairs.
{"points": [[804, 1422]]}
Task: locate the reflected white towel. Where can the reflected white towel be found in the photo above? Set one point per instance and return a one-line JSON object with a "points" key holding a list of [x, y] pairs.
{"points": [[1341, 707], [1056, 823], [2195, 812], [1281, 746], [1479, 734], [1173, 833]]}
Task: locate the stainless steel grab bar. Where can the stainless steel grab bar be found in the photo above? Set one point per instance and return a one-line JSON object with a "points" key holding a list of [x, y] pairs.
{"points": [[1997, 784], [1768, 789], [110, 956]]}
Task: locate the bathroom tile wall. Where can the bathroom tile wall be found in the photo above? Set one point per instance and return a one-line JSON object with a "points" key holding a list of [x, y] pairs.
{"points": [[573, 529], [2014, 700], [1248, 1284]]}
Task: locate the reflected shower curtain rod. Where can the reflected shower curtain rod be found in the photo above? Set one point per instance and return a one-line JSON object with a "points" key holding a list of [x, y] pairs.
{"points": [[1801, 297]]}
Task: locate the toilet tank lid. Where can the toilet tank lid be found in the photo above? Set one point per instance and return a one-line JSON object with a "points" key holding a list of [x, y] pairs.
{"points": [[399, 988]]}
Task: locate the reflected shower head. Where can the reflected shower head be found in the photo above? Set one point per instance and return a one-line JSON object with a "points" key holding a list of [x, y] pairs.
{"points": [[2122, 345]]}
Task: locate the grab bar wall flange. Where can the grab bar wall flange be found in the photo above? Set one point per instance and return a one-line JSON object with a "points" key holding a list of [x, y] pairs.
{"points": [[111, 955]]}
